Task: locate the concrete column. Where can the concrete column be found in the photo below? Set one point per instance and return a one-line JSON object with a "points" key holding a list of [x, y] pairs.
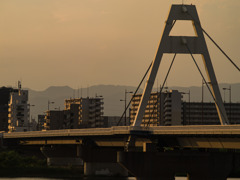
{"points": [[198, 177], [156, 178], [163, 177], [104, 169], [64, 161], [101, 162]]}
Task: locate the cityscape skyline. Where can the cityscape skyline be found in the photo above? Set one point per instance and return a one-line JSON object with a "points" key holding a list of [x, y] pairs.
{"points": [[174, 126], [85, 43]]}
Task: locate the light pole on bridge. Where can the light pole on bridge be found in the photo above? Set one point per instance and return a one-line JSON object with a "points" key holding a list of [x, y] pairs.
{"points": [[125, 110]]}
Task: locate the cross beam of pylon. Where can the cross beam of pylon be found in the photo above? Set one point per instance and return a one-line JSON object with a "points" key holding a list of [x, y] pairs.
{"points": [[177, 44]]}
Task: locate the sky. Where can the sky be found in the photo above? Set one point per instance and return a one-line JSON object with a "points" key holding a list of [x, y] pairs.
{"points": [[81, 43]]}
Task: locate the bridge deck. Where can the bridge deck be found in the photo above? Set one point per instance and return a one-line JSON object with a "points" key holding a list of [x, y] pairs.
{"points": [[127, 130], [200, 136]]}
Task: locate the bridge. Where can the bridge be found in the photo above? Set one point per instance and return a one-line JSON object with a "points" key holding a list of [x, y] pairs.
{"points": [[201, 136], [202, 152]]}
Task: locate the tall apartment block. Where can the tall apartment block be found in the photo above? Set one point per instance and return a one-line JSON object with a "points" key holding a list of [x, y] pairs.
{"points": [[91, 112], [162, 109], [172, 104], [72, 113], [4, 100], [152, 112], [18, 117]]}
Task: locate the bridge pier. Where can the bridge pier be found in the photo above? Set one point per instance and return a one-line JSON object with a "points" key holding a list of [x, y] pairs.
{"points": [[58, 155], [104, 169], [101, 162], [165, 165]]}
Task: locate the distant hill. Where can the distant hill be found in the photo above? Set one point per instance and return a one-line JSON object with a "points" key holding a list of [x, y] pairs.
{"points": [[112, 95]]}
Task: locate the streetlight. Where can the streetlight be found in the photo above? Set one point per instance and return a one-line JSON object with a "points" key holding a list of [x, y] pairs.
{"points": [[125, 100], [50, 102], [188, 105], [229, 89]]}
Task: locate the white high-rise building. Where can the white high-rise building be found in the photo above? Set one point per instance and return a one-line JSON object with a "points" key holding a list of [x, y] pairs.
{"points": [[18, 112]]}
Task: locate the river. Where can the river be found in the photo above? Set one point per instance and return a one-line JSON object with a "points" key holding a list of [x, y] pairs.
{"points": [[95, 178]]}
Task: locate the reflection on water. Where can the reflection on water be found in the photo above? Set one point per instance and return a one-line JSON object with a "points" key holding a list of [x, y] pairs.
{"points": [[95, 178]]}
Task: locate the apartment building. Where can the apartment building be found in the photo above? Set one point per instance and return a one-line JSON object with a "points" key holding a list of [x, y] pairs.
{"points": [[78, 113], [18, 112], [40, 122], [91, 112], [162, 109], [172, 108], [4, 101], [168, 109], [152, 111], [72, 113], [194, 113], [53, 120]]}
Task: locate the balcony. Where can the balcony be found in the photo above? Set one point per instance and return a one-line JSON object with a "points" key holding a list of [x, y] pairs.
{"points": [[20, 115], [99, 108], [99, 103], [99, 113], [91, 116], [20, 109]]}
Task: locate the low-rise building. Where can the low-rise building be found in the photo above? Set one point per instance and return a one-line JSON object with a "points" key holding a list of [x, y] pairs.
{"points": [[40, 122], [195, 113], [53, 120]]}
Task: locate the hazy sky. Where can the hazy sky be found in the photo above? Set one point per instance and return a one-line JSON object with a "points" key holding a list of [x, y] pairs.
{"points": [[90, 42]]}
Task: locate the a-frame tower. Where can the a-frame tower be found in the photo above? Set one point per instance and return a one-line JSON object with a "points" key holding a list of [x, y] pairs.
{"points": [[182, 45]]}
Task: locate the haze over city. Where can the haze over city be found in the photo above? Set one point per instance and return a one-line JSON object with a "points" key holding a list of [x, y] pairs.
{"points": [[84, 43], [71, 106]]}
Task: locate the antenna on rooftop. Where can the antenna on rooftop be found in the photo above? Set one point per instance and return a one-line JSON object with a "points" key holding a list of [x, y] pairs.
{"points": [[19, 85], [81, 91], [87, 90]]}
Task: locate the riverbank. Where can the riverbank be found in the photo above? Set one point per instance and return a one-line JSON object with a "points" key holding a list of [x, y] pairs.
{"points": [[48, 172], [14, 164]]}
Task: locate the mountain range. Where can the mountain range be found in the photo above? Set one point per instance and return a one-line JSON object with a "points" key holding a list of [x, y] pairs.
{"points": [[112, 94]]}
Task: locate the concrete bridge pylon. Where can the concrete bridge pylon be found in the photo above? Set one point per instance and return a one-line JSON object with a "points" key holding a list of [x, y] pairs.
{"points": [[182, 45]]}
